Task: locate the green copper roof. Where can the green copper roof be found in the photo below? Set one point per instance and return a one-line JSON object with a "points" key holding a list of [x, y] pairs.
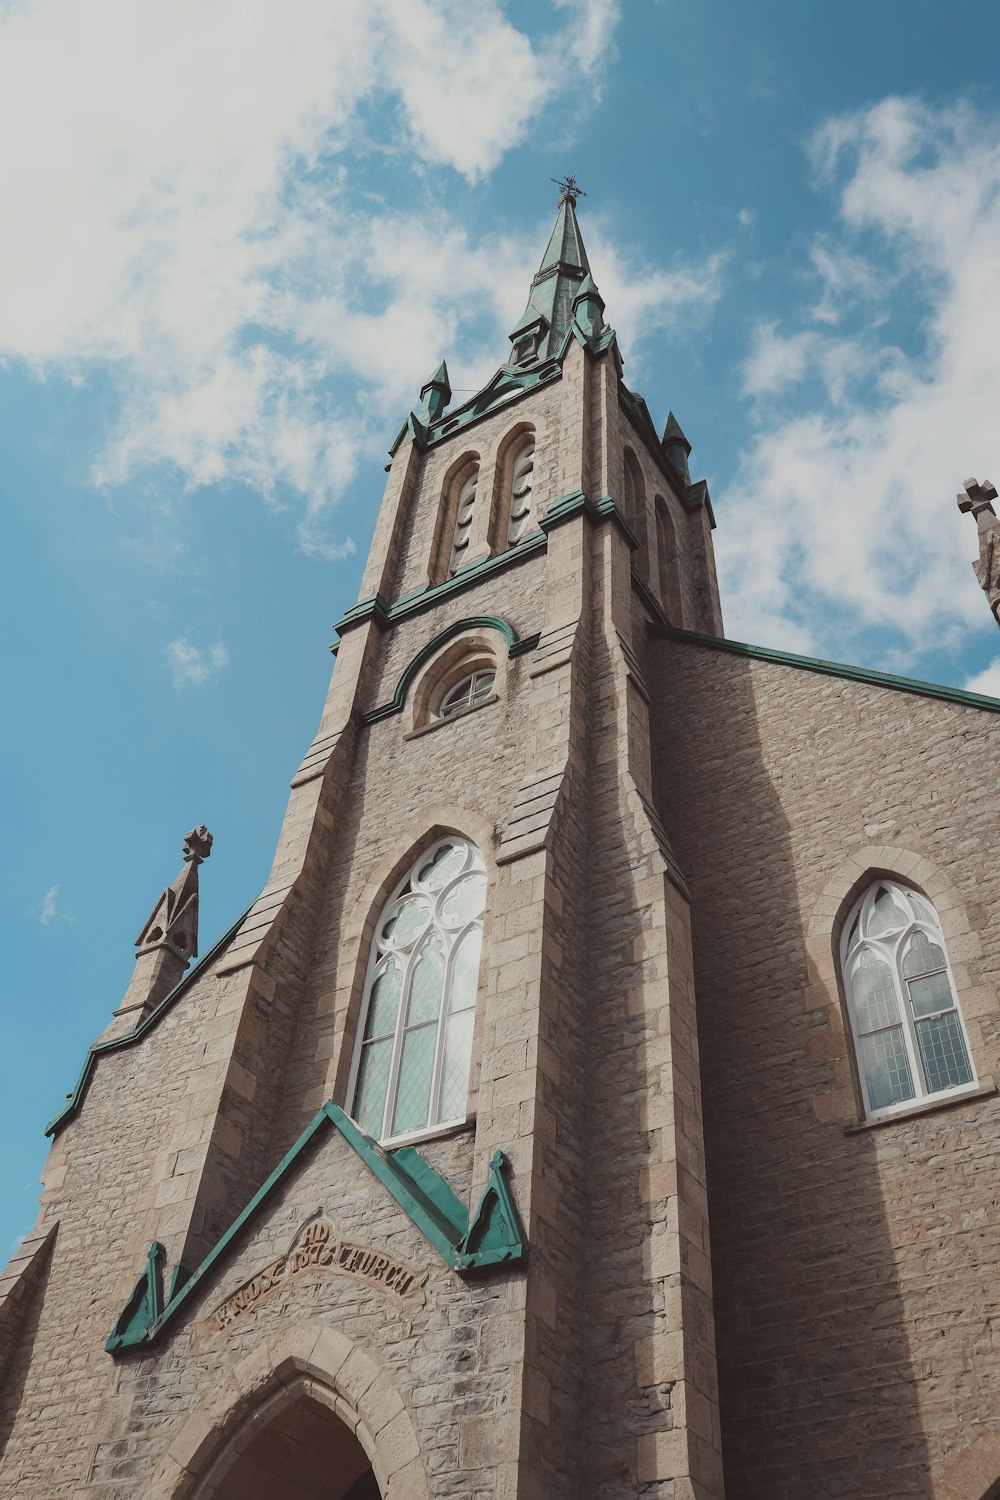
{"points": [[556, 285]]}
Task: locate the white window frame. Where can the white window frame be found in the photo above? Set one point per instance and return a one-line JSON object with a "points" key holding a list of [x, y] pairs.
{"points": [[890, 949], [448, 709], [376, 958]]}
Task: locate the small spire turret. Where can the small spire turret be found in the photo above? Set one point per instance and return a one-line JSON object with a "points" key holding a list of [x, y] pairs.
{"points": [[434, 395], [677, 447], [169, 938]]}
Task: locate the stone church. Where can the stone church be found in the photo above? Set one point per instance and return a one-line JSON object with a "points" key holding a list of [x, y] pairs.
{"points": [[598, 1100]]}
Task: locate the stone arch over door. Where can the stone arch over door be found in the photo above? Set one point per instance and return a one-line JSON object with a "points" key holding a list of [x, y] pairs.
{"points": [[307, 1386]]}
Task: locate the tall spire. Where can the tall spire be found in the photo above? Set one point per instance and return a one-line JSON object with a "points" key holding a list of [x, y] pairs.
{"points": [[563, 273]]}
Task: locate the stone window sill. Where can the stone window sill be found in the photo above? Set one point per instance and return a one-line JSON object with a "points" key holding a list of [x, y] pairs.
{"points": [[463, 713], [434, 1133], [985, 1087]]}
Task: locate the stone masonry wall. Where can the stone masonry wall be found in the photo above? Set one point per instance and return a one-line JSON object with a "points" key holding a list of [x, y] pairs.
{"points": [[856, 1274]]}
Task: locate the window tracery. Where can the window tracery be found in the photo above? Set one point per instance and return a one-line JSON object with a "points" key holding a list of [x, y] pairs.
{"points": [[909, 1035], [414, 1050]]}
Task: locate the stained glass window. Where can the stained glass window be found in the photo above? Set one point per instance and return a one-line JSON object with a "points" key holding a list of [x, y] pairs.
{"points": [[908, 1029], [411, 1065]]}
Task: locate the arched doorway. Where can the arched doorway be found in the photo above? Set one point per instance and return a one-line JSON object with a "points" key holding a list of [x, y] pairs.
{"points": [[297, 1449]]}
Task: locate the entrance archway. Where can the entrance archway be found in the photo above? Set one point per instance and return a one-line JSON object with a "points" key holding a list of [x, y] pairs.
{"points": [[296, 1448]]}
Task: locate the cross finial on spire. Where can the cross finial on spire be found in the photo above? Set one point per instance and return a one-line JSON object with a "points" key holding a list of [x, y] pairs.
{"points": [[569, 190]]}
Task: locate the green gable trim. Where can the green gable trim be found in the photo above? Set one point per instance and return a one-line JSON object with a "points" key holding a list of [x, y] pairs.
{"points": [[493, 1237], [829, 668], [409, 672], [98, 1049]]}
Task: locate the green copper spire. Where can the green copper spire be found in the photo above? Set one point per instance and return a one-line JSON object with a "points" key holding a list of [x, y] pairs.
{"points": [[435, 394], [542, 327]]}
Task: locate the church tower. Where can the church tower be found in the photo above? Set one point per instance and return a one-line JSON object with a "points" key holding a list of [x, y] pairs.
{"points": [[409, 1166], [586, 926]]}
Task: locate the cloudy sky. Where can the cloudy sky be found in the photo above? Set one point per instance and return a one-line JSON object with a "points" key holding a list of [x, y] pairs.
{"points": [[237, 236]]}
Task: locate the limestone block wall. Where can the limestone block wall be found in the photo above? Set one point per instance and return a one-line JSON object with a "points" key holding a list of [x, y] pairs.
{"points": [[855, 1271]]}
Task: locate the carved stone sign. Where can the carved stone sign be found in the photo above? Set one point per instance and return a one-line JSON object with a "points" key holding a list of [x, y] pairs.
{"points": [[316, 1248]]}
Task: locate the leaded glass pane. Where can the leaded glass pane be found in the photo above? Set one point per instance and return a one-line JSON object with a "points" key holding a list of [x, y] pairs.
{"points": [[443, 865], [413, 1091], [943, 1052], [465, 971], [886, 915], [426, 982], [922, 956], [465, 901], [930, 993], [455, 1073], [383, 1006], [373, 1078], [875, 1002], [886, 1068]]}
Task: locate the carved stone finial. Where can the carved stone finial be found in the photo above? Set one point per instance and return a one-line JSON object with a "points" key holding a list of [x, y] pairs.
{"points": [[197, 844], [978, 498]]}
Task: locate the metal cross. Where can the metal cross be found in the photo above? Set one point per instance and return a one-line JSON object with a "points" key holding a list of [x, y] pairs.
{"points": [[569, 189]]}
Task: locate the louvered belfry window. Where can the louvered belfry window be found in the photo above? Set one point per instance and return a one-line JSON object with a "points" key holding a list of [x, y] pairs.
{"points": [[909, 1035], [411, 1063]]}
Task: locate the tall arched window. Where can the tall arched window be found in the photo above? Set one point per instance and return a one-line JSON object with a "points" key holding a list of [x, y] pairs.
{"points": [[634, 497], [464, 506], [521, 485], [667, 563], [908, 1031], [411, 1062]]}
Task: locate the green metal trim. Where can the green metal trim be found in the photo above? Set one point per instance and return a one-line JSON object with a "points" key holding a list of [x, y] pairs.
{"points": [[494, 1236], [143, 1307], [75, 1099], [828, 668], [413, 666], [430, 596], [597, 511], [374, 607]]}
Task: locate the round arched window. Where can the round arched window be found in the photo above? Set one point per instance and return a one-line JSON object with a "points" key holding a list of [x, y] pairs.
{"points": [[412, 1060], [474, 688]]}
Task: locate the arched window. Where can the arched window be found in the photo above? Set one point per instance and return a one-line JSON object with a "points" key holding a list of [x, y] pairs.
{"points": [[521, 484], [908, 1031], [634, 496], [668, 563], [464, 506], [471, 689], [411, 1063]]}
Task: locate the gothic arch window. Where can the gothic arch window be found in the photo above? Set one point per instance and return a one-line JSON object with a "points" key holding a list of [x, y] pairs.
{"points": [[909, 1036], [515, 508], [453, 533], [668, 565], [634, 497], [412, 1058]]}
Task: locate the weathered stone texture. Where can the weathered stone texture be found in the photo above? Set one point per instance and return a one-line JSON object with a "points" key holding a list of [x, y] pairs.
{"points": [[855, 1275]]}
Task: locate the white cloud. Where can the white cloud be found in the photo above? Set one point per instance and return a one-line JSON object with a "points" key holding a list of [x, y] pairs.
{"points": [[847, 519], [193, 666], [50, 906], [986, 681], [189, 208]]}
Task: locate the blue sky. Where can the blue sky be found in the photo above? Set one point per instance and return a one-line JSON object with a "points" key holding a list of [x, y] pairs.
{"points": [[236, 241]]}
